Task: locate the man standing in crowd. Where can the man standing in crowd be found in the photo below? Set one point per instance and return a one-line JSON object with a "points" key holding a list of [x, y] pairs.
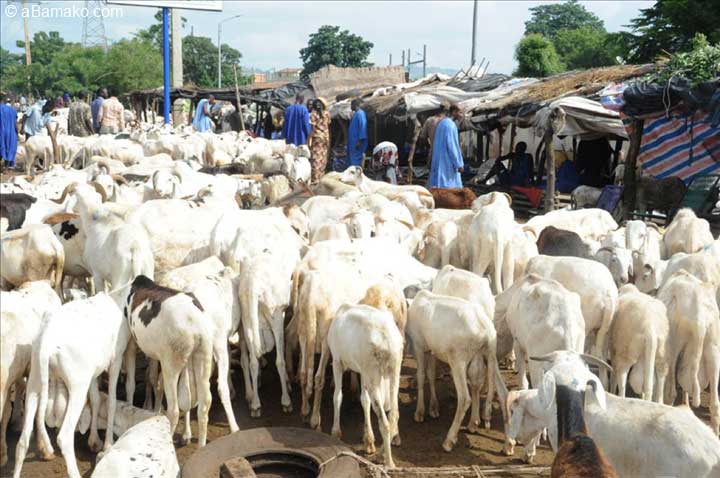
{"points": [[447, 160], [8, 133], [33, 121], [357, 141], [111, 117], [102, 93], [296, 125], [428, 130], [79, 117], [201, 120]]}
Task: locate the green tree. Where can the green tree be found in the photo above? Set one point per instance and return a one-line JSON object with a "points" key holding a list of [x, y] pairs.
{"points": [[44, 46], [133, 65], [586, 47], [536, 57], [153, 34], [200, 63], [548, 20], [330, 46], [669, 26]]}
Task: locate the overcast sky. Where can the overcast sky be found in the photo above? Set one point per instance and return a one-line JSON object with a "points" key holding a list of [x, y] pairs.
{"points": [[270, 34]]}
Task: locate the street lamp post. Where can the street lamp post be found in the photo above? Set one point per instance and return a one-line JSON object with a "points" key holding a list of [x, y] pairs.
{"points": [[220, 48]]}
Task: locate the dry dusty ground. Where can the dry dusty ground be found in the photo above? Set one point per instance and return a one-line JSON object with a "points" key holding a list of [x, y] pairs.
{"points": [[421, 444]]}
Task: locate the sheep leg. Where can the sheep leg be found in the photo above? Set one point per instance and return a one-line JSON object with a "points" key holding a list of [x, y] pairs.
{"points": [[622, 368], [394, 409], [170, 376], [475, 378], [129, 357], [521, 366], [319, 386], [712, 365], [434, 410], [368, 436], [223, 363], [385, 427], [420, 407], [5, 413], [337, 397], [17, 410], [459, 373], [77, 394], [94, 441], [203, 371], [278, 331], [649, 371], [245, 366], [309, 372], [187, 433], [113, 375]]}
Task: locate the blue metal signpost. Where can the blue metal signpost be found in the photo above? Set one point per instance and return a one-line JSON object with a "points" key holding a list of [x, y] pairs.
{"points": [[166, 64]]}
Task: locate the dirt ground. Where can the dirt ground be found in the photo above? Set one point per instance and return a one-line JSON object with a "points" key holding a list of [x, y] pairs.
{"points": [[421, 442]]}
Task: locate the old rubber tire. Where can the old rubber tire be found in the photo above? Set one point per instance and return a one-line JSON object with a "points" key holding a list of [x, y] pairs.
{"points": [[206, 462]]}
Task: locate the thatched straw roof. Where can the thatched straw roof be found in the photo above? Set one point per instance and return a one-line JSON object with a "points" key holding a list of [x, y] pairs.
{"points": [[586, 83]]}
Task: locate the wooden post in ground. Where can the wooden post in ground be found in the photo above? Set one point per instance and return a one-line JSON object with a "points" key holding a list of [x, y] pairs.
{"points": [[479, 152], [513, 133], [549, 167], [237, 98], [411, 156], [630, 179]]}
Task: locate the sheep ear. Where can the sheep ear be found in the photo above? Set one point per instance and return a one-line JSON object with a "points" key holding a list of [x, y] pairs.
{"points": [[546, 397], [592, 391]]}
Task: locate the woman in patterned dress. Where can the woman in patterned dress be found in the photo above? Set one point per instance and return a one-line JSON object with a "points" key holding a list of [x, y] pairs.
{"points": [[319, 139]]}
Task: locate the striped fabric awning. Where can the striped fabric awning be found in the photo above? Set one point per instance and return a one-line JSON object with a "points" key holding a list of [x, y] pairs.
{"points": [[681, 146]]}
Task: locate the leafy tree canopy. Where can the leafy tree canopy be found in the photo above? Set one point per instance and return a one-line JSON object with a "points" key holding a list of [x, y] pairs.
{"points": [[549, 20], [536, 57], [670, 25], [44, 46], [586, 47], [700, 64], [200, 63], [330, 46]]}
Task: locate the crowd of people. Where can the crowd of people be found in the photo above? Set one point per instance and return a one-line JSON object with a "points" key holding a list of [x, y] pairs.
{"points": [[303, 123], [105, 115]]}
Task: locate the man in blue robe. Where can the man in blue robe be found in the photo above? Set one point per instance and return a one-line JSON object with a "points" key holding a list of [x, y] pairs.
{"points": [[357, 141], [447, 160], [8, 133], [201, 120], [296, 123]]}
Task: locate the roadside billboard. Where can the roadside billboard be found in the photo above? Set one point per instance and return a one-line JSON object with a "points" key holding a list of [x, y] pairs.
{"points": [[213, 5]]}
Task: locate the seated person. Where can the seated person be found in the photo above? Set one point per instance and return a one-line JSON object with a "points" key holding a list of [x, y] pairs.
{"points": [[521, 167]]}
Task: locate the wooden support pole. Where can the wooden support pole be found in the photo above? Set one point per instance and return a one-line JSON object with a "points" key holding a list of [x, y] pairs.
{"points": [[479, 151], [487, 146], [513, 133], [550, 168], [501, 133], [630, 179], [411, 156], [616, 155], [237, 98]]}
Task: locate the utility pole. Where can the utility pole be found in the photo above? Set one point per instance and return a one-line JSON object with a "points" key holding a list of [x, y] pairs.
{"points": [[177, 64], [390, 61], [26, 26], [220, 48], [166, 63], [403, 58], [410, 62], [474, 33]]}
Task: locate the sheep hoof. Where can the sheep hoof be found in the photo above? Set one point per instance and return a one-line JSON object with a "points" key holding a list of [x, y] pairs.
{"points": [[473, 427], [396, 441], [287, 408], [337, 434], [419, 417], [256, 413], [448, 445]]}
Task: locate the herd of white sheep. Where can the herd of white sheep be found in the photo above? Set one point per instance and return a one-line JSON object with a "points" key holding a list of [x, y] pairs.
{"points": [[178, 245]]}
